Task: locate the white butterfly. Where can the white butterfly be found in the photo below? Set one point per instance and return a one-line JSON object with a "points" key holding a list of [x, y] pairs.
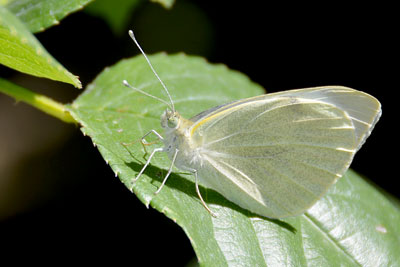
{"points": [[274, 154]]}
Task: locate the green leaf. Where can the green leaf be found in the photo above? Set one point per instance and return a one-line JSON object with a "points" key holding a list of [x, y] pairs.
{"points": [[39, 15], [20, 50], [352, 225], [117, 12]]}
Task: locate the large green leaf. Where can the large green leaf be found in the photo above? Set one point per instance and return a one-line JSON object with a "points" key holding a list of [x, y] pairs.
{"points": [[352, 225], [20, 50], [41, 14]]}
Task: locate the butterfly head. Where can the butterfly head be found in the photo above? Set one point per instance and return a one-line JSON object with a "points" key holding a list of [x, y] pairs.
{"points": [[170, 119]]}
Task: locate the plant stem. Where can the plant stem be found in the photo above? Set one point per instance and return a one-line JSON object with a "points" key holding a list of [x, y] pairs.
{"points": [[38, 101]]}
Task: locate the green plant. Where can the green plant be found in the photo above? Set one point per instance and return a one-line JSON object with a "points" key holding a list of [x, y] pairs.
{"points": [[354, 224]]}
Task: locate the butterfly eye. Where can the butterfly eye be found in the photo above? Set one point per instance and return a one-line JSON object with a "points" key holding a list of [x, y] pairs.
{"points": [[173, 122]]}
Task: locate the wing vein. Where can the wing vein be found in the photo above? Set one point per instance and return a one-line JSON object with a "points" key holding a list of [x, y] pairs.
{"points": [[243, 129], [289, 178], [215, 165]]}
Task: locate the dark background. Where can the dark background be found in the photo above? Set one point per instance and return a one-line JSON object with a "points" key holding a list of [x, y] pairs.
{"points": [[63, 200]]}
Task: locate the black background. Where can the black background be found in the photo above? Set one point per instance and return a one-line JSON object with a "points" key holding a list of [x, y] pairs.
{"points": [[92, 217]]}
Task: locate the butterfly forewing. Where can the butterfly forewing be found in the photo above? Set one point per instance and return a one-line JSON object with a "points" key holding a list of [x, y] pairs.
{"points": [[363, 109]]}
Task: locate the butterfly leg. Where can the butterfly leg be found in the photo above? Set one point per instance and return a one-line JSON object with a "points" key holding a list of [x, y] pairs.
{"points": [[201, 198], [169, 172], [159, 149], [154, 132], [145, 143]]}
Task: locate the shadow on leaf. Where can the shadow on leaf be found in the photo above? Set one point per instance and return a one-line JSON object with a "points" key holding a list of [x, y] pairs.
{"points": [[178, 182]]}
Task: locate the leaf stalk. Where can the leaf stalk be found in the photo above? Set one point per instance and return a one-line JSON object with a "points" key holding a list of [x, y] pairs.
{"points": [[36, 100]]}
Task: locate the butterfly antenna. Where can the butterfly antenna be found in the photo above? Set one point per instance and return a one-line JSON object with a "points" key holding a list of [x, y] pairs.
{"points": [[125, 82], [155, 73]]}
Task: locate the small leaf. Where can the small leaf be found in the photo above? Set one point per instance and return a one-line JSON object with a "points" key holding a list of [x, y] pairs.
{"points": [[39, 15], [20, 50], [352, 225]]}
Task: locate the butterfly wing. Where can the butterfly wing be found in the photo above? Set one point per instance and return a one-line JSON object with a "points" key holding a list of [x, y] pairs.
{"points": [[277, 154]]}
